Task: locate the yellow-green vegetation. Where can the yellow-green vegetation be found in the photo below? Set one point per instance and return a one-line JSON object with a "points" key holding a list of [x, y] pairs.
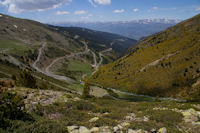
{"points": [[165, 64]]}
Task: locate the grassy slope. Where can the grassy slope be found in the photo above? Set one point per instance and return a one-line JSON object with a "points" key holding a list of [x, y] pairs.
{"points": [[74, 68], [171, 76], [21, 38]]}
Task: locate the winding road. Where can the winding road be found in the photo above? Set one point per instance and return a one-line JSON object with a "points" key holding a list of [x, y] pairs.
{"points": [[95, 65], [101, 56], [47, 70], [38, 59]]}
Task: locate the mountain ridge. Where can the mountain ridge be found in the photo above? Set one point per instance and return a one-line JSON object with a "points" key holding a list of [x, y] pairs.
{"points": [[135, 29]]}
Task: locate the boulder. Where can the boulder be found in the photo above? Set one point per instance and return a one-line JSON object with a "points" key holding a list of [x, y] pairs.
{"points": [[131, 131], [162, 130], [119, 126], [106, 113], [83, 129], [105, 129], [191, 115], [77, 99], [94, 130], [141, 131], [71, 129], [116, 128], [94, 119], [125, 124], [146, 118]]}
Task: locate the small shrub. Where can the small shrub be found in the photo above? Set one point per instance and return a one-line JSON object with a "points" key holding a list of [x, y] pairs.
{"points": [[42, 126], [193, 94], [11, 108], [86, 91], [43, 85], [80, 105], [168, 118], [26, 79], [105, 122]]}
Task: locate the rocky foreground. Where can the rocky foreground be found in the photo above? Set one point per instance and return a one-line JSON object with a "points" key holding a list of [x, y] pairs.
{"points": [[105, 115]]}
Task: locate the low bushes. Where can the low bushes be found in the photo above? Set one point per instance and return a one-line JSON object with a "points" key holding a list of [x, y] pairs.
{"points": [[26, 79], [11, 108]]}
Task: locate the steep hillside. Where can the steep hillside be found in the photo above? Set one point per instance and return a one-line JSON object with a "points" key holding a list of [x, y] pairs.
{"points": [[98, 40], [53, 51], [165, 64]]}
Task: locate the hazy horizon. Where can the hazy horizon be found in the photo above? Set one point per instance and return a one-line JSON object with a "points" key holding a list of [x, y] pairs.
{"points": [[50, 11]]}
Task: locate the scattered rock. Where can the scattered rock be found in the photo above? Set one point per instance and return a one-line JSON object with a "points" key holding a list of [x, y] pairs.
{"points": [[54, 116], [94, 119], [106, 113], [191, 116], [196, 84], [105, 129], [83, 129], [131, 131], [125, 124], [153, 131], [146, 118], [77, 99], [116, 128], [94, 130], [196, 106], [72, 128], [119, 126], [15, 26], [141, 131], [162, 130]]}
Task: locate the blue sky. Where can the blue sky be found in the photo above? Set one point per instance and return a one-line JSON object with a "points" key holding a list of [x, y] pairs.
{"points": [[48, 11]]}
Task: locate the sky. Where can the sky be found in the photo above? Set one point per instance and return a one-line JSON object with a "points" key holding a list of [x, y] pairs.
{"points": [[48, 11]]}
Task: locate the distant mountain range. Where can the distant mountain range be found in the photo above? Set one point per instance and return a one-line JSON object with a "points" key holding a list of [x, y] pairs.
{"points": [[135, 29]]}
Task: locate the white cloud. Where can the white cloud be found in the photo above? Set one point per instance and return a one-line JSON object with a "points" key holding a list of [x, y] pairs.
{"points": [[80, 12], [119, 11], [92, 3], [62, 13], [17, 6], [198, 9], [155, 8], [100, 2], [136, 9]]}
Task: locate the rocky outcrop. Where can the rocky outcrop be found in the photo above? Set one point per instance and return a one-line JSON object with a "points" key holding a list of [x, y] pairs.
{"points": [[189, 116], [107, 129]]}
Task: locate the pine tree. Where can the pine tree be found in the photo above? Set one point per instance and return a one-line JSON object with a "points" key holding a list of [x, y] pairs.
{"points": [[86, 91]]}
